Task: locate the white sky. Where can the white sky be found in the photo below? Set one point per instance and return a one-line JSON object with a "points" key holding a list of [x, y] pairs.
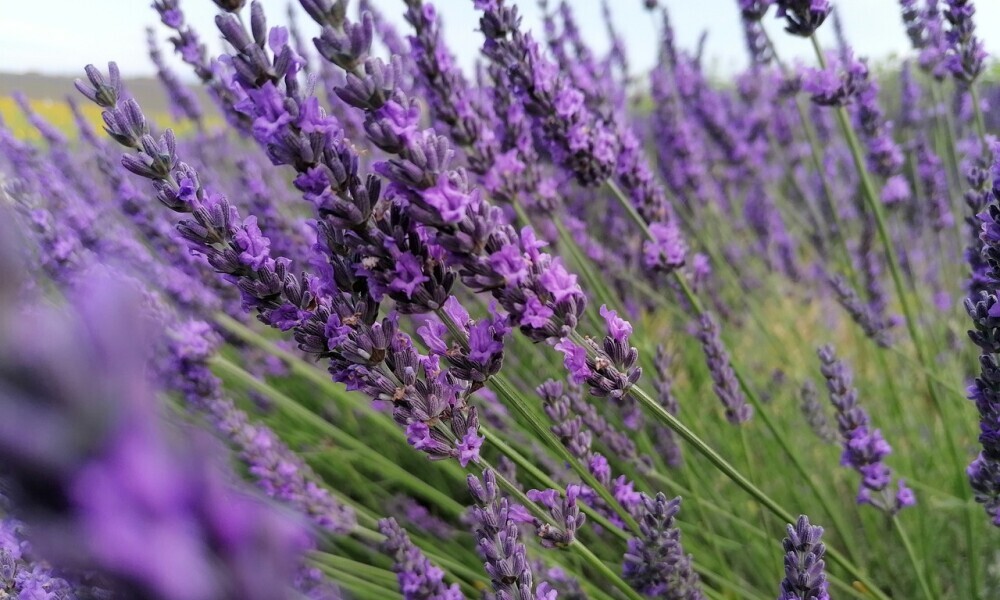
{"points": [[60, 36]]}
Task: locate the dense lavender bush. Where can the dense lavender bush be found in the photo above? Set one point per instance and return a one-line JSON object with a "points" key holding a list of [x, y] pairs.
{"points": [[360, 323]]}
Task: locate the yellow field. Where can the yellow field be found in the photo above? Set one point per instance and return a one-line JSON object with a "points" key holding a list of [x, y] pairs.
{"points": [[59, 115]]}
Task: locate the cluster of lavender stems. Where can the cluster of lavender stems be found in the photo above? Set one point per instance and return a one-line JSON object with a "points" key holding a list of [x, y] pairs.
{"points": [[483, 262], [253, 252]]}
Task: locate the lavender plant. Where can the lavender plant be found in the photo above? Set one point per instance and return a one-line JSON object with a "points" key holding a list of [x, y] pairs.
{"points": [[461, 318]]}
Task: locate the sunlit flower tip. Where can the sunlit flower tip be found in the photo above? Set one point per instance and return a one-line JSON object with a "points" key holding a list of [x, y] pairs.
{"points": [[348, 47], [103, 92]]}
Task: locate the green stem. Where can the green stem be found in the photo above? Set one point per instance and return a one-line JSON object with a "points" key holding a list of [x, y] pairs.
{"points": [[980, 122], [875, 206], [367, 589], [762, 515], [507, 392], [527, 466], [365, 570], [602, 568], [921, 574], [576, 545], [816, 153], [739, 479], [705, 449], [410, 481]]}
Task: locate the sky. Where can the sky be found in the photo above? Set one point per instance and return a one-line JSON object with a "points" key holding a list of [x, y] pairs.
{"points": [[61, 36]]}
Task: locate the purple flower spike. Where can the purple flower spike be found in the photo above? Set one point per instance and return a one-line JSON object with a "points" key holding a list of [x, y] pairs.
{"points": [[864, 448], [862, 314], [419, 578], [655, 563], [667, 250], [498, 539], [565, 513], [804, 565], [452, 102], [102, 92], [189, 46], [726, 386], [364, 352], [838, 84], [408, 275], [812, 410], [575, 360], [578, 140], [803, 17], [965, 54], [619, 329], [984, 311]]}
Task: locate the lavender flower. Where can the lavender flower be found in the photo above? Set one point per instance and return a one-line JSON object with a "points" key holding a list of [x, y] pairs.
{"points": [[978, 198], [803, 17], [610, 369], [419, 579], [667, 250], [838, 83], [665, 438], [564, 512], [655, 563], [189, 46], [965, 54], [812, 410], [23, 575], [984, 471], [576, 422], [984, 310], [536, 290], [934, 183], [913, 20], [478, 355], [804, 576], [752, 12], [567, 426], [724, 381], [498, 541], [676, 137], [452, 102], [864, 448], [364, 353], [577, 141], [885, 158], [862, 314]]}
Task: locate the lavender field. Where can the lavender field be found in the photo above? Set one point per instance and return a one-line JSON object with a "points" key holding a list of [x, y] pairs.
{"points": [[338, 317]]}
